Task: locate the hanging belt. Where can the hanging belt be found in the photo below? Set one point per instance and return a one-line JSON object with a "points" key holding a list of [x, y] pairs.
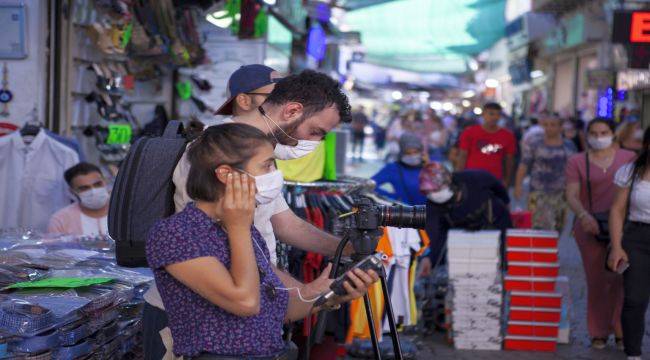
{"points": [[36, 344], [24, 318], [74, 351]]}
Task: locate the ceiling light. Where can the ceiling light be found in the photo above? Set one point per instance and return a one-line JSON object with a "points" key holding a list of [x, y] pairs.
{"points": [[397, 95], [447, 106], [270, 2], [466, 103], [478, 111], [468, 93], [492, 83], [435, 105]]}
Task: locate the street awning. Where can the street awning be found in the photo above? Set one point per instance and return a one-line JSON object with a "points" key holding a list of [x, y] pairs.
{"points": [[428, 35]]}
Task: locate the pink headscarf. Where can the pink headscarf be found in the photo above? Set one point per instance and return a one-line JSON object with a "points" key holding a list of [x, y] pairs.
{"points": [[434, 177]]}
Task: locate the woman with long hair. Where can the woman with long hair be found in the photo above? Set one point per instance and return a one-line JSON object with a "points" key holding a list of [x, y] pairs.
{"points": [[590, 194], [630, 231]]}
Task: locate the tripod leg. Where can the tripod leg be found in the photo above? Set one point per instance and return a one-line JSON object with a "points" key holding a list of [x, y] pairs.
{"points": [[397, 348], [371, 326]]}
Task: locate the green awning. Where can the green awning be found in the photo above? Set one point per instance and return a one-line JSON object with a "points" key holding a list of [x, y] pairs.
{"points": [[428, 35]]}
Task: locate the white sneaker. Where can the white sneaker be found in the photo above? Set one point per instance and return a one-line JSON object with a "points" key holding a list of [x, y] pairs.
{"points": [[633, 358]]}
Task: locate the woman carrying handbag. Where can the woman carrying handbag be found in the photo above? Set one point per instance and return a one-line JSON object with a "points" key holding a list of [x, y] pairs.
{"points": [[630, 249], [590, 194]]}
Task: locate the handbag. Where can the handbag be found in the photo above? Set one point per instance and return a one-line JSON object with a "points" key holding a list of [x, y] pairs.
{"points": [[602, 218]]}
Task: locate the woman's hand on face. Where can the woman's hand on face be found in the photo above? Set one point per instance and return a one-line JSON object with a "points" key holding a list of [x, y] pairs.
{"points": [[239, 201], [590, 225]]}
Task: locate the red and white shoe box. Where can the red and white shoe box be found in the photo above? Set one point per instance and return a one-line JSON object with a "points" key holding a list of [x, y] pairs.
{"points": [[534, 305], [530, 343]]}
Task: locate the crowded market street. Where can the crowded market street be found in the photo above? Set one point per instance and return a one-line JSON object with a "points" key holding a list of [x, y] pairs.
{"points": [[324, 179]]}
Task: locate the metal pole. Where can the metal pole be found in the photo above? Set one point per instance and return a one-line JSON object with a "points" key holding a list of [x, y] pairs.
{"points": [[371, 326]]}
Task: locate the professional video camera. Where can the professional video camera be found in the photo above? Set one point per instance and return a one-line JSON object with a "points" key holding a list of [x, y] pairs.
{"points": [[362, 227], [362, 224]]}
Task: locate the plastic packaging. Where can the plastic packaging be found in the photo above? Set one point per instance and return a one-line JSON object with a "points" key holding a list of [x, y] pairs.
{"points": [[36, 344], [21, 317], [10, 274]]}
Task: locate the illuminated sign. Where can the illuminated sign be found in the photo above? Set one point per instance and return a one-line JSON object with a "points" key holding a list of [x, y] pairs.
{"points": [[631, 27], [640, 27]]}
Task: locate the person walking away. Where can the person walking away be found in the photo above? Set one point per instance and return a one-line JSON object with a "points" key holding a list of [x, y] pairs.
{"points": [[545, 156], [590, 190], [488, 147], [89, 213], [630, 231], [471, 200], [359, 123], [534, 130], [629, 136], [403, 174], [437, 141], [574, 133]]}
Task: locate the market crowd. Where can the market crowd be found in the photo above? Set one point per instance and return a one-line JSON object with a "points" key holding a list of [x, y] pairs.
{"points": [[598, 170], [219, 293]]}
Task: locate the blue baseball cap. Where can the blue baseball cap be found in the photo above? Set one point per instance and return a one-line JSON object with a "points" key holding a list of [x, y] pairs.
{"points": [[244, 80]]}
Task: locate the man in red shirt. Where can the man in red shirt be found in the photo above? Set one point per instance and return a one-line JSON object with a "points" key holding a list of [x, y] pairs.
{"points": [[487, 145]]}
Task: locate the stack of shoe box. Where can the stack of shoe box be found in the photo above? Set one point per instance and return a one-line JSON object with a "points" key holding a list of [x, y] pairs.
{"points": [[534, 305], [474, 300]]}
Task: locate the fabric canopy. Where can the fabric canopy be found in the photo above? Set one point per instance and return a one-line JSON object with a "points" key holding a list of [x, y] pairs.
{"points": [[428, 35]]}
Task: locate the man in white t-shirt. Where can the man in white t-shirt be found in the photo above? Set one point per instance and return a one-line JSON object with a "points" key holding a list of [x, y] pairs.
{"points": [[88, 215], [286, 119]]}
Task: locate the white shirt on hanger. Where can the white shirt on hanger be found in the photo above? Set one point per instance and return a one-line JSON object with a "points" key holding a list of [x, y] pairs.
{"points": [[32, 181]]}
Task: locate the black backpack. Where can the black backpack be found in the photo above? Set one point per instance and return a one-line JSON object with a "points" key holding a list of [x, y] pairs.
{"points": [[144, 192]]}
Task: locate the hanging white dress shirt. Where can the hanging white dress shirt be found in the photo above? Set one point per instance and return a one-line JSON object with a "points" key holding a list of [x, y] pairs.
{"points": [[32, 181]]}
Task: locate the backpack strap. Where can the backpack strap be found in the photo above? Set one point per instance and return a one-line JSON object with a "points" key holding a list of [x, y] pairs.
{"points": [[173, 130], [588, 181]]}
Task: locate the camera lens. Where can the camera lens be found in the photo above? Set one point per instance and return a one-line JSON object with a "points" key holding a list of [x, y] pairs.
{"points": [[403, 216]]}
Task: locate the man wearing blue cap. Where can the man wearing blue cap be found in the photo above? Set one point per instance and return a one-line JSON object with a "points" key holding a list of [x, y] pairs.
{"points": [[248, 88], [297, 111]]}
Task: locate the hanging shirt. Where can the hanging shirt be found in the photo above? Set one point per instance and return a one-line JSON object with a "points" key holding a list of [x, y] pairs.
{"points": [[486, 150], [32, 181]]}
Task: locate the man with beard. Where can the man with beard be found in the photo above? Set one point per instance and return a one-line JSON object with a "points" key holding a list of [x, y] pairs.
{"points": [[296, 112]]}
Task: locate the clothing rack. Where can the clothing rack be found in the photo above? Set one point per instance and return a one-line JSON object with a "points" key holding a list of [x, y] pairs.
{"points": [[346, 184]]}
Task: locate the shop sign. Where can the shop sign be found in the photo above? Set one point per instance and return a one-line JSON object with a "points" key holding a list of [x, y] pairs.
{"points": [[568, 33], [633, 79], [119, 134], [631, 27], [600, 78]]}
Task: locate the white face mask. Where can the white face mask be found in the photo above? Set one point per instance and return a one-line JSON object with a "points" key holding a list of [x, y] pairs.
{"points": [[95, 198], [441, 196], [600, 143], [288, 152], [269, 186], [412, 160]]}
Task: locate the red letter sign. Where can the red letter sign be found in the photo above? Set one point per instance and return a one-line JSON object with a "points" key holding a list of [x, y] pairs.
{"points": [[640, 29]]}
